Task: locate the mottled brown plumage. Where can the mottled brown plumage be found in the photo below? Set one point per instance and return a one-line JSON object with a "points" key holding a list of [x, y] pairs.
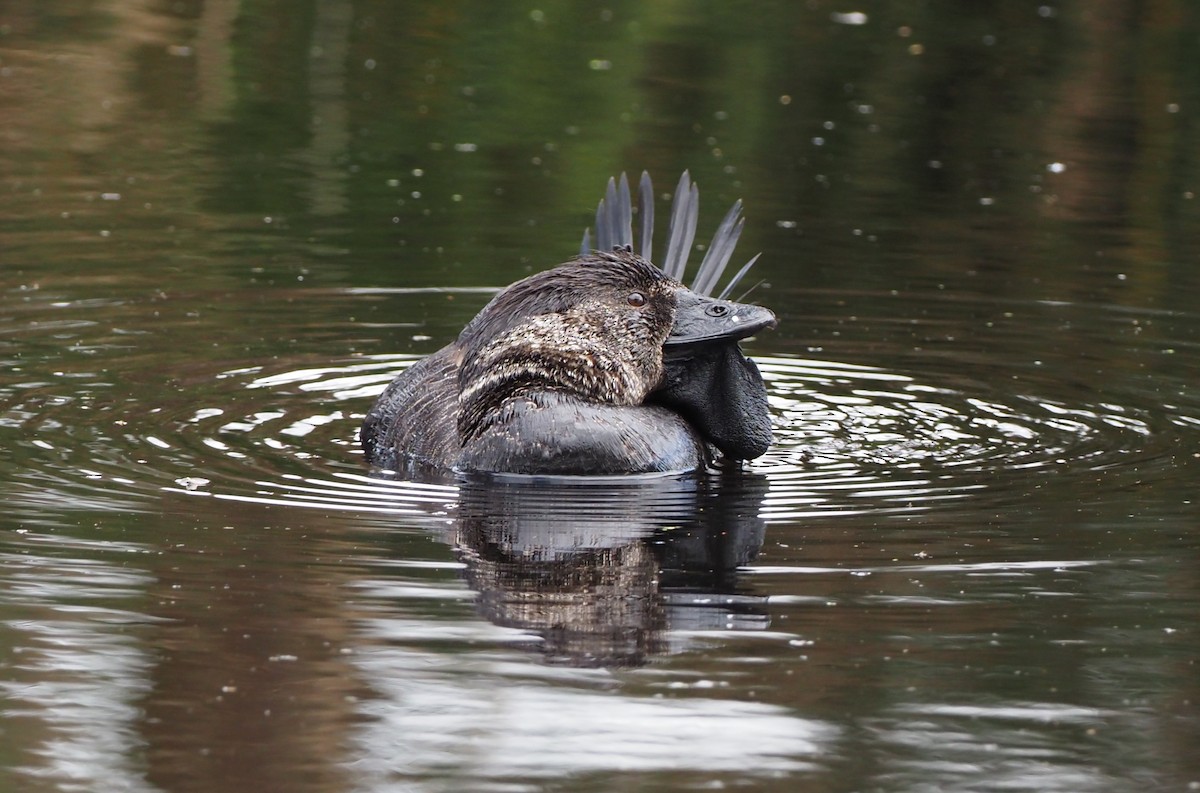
{"points": [[601, 349]]}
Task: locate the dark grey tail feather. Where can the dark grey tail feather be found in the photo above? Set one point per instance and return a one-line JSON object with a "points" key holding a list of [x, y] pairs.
{"points": [[738, 277], [614, 227], [623, 212], [685, 214], [604, 225], [720, 250], [614, 216], [646, 207]]}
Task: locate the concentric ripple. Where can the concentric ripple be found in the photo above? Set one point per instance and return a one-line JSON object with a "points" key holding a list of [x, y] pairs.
{"points": [[102, 426], [856, 437]]}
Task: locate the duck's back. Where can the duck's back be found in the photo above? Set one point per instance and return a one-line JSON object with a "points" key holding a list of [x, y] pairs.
{"points": [[414, 422], [413, 427], [552, 433]]}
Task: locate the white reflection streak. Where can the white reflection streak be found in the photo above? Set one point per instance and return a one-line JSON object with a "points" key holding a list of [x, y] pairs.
{"points": [[977, 568], [1007, 744], [348, 492], [77, 672], [468, 719]]}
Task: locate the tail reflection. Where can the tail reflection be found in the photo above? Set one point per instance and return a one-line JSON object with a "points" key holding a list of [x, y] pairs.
{"points": [[602, 569]]}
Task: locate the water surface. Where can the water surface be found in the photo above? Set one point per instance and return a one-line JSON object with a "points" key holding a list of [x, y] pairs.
{"points": [[969, 562]]}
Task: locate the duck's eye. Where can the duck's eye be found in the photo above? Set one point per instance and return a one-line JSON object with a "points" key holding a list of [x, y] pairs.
{"points": [[636, 299]]}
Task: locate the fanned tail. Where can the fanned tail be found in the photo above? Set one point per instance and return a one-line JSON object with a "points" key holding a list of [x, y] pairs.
{"points": [[614, 228]]}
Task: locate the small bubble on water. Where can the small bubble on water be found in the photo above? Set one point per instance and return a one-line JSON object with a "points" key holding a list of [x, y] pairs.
{"points": [[1056, 167]]}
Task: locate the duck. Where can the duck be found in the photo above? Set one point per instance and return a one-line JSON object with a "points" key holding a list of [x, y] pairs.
{"points": [[603, 365]]}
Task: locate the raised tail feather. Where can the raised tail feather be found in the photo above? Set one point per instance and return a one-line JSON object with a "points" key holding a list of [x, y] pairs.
{"points": [[614, 228]]}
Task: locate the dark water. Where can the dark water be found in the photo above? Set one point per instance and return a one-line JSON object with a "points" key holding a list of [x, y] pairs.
{"points": [[970, 562]]}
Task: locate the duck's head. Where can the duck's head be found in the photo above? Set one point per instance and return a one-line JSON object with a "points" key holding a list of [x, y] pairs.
{"points": [[594, 328], [710, 382]]}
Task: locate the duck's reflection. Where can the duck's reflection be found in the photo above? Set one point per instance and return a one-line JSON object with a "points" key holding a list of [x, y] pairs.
{"points": [[602, 569]]}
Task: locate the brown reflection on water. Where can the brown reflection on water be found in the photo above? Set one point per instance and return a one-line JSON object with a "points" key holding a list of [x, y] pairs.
{"points": [[600, 572], [597, 607], [251, 689]]}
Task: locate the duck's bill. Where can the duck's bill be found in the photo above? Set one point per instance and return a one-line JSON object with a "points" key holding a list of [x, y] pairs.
{"points": [[704, 320]]}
